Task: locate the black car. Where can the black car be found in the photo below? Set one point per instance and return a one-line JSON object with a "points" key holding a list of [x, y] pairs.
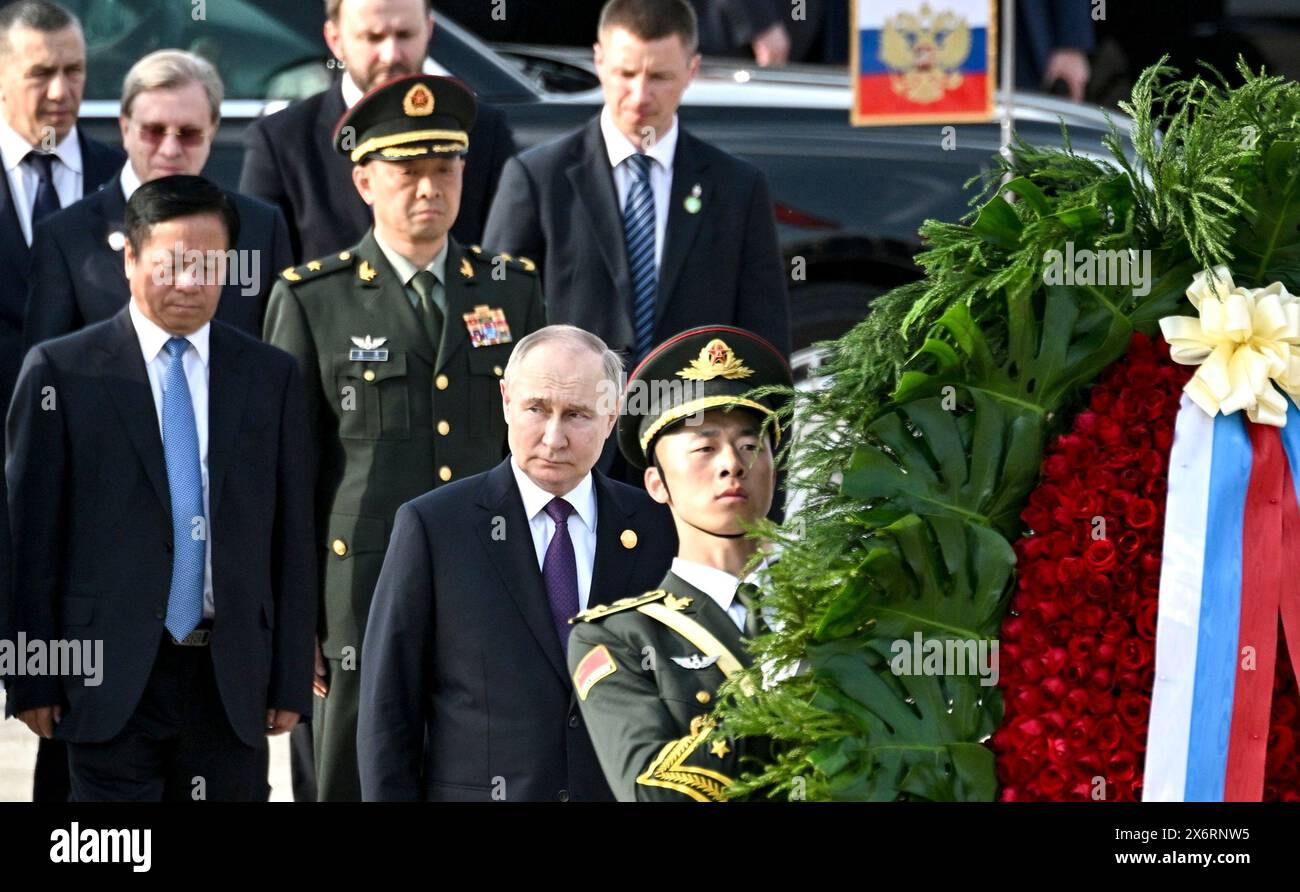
{"points": [[848, 200]]}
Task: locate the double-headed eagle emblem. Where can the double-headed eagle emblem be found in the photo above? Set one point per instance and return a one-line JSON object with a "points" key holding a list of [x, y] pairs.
{"points": [[925, 50]]}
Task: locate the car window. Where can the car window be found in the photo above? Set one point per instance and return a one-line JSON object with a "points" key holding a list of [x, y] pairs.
{"points": [[262, 48]]}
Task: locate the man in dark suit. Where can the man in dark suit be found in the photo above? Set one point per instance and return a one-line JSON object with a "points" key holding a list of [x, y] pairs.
{"points": [[48, 163], [402, 339], [464, 692], [171, 109], [164, 457], [640, 229], [290, 159]]}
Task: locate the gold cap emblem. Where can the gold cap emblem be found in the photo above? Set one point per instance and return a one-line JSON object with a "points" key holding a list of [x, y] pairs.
{"points": [[716, 360], [418, 102]]}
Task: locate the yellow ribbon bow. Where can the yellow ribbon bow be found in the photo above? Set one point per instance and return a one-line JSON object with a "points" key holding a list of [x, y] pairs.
{"points": [[1246, 342]]}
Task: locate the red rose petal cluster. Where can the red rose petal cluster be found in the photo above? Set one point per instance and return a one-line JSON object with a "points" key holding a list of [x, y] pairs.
{"points": [[1078, 644]]}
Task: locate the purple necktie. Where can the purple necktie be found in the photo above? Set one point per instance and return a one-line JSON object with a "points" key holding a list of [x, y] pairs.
{"points": [[560, 571]]}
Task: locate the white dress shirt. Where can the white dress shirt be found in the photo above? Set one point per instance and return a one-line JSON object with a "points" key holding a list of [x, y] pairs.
{"points": [[196, 357], [352, 93], [719, 585], [582, 524], [23, 178], [661, 155], [130, 181]]}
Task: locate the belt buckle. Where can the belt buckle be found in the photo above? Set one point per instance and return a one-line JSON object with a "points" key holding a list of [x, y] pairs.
{"points": [[197, 638]]}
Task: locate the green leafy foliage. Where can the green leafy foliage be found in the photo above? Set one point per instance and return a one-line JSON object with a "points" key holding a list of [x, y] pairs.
{"points": [[917, 455]]}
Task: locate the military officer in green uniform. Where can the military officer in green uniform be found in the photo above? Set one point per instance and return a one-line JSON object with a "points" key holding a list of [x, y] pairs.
{"points": [[402, 339], [647, 669]]}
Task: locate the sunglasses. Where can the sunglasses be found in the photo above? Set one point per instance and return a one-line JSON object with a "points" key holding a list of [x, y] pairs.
{"points": [[189, 137]]}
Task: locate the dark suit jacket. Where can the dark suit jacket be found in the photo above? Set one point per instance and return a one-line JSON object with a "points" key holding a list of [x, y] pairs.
{"points": [[77, 277], [464, 691], [98, 164], [558, 206], [1046, 25], [290, 161], [92, 529]]}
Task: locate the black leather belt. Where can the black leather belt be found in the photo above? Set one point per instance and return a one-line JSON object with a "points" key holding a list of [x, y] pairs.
{"points": [[200, 637]]}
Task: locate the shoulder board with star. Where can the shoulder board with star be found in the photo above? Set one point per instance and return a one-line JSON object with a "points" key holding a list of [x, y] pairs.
{"points": [[318, 267], [477, 253], [600, 611]]}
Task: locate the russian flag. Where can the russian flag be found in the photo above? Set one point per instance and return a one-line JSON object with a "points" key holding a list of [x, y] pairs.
{"points": [[1228, 572], [917, 62]]}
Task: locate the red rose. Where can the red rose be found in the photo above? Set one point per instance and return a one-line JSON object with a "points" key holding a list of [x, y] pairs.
{"points": [[1101, 702], [1101, 555], [1128, 542], [1130, 478], [1122, 765], [1116, 629], [1124, 577], [1134, 709], [1146, 619], [1108, 734], [1137, 438], [1085, 423], [1141, 514], [1056, 467], [1099, 588], [1075, 703], [1151, 463]]}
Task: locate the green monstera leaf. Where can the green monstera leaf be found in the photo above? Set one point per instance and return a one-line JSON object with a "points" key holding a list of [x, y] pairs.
{"points": [[930, 457], [1267, 245], [918, 733]]}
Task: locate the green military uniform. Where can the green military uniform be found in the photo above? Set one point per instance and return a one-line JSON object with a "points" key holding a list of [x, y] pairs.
{"points": [[392, 413], [647, 669]]}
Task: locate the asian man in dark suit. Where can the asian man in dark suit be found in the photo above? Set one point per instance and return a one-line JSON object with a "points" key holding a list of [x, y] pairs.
{"points": [[464, 692], [171, 109], [163, 458], [49, 163], [641, 230], [290, 159]]}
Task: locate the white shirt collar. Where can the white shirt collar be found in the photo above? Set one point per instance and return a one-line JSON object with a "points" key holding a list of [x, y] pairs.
{"points": [[406, 270], [153, 338], [620, 148], [14, 148], [582, 497], [352, 93], [130, 181], [717, 584]]}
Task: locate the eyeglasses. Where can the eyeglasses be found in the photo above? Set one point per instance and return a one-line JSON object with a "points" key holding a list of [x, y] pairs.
{"points": [[189, 137]]}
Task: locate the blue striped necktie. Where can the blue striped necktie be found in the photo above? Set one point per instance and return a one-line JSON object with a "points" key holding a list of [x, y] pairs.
{"points": [[639, 230], [185, 482]]}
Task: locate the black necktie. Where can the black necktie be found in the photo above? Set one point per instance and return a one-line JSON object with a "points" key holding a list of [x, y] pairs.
{"points": [[747, 594], [47, 198]]}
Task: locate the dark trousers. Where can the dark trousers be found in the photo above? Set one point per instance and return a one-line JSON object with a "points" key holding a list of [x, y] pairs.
{"points": [[334, 724], [177, 746]]}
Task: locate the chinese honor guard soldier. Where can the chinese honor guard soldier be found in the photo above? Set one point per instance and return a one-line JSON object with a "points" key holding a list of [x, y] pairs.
{"points": [[402, 339], [647, 669]]}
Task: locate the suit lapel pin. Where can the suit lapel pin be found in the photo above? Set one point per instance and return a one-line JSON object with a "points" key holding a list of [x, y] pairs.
{"points": [[692, 202], [117, 240], [366, 271], [466, 269], [628, 538]]}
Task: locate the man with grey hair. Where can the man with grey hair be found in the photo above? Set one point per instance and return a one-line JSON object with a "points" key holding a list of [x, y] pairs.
{"points": [[48, 163], [171, 109], [464, 691]]}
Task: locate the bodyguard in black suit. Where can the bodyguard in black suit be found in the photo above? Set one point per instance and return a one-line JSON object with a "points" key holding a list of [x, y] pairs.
{"points": [[464, 692], [290, 159], [171, 109], [160, 497], [640, 229], [56, 175]]}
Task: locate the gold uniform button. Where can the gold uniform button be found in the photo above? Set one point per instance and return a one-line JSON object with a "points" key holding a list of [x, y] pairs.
{"points": [[628, 538], [340, 547], [444, 428], [497, 370], [444, 473], [441, 382], [345, 255], [368, 374], [703, 697]]}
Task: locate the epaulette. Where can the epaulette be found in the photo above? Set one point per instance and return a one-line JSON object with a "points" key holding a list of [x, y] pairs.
{"points": [[318, 267], [601, 611], [523, 263]]}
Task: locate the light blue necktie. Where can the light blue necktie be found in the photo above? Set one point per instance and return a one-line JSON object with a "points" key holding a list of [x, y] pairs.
{"points": [[639, 230], [185, 481]]}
